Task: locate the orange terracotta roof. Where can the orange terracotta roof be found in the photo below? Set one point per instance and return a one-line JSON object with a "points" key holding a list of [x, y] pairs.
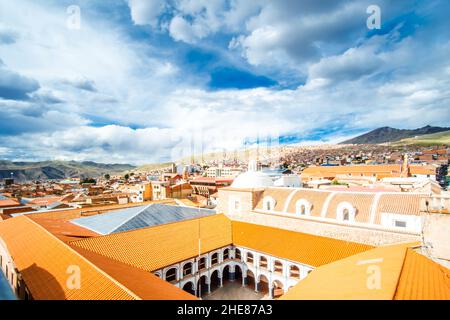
{"points": [[143, 283], [301, 247], [43, 262], [159, 246], [9, 203], [383, 273], [422, 279], [63, 229]]}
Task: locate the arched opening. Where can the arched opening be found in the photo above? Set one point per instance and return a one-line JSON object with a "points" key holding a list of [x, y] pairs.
{"points": [[277, 267], [237, 254], [277, 289], [294, 272], [214, 259], [263, 262], [189, 287], [215, 280], [237, 273], [188, 269], [226, 254], [303, 207], [171, 275], [249, 258], [263, 284], [269, 203], [226, 273], [202, 287], [202, 264], [250, 280]]}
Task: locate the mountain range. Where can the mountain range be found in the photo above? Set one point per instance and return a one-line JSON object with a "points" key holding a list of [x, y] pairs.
{"points": [[388, 134], [26, 171]]}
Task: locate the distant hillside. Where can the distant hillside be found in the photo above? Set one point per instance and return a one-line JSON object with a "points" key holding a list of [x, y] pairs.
{"points": [[26, 171], [153, 166], [388, 134], [440, 138]]}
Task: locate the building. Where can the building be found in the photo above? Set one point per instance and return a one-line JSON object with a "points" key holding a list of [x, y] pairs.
{"points": [[273, 242]]}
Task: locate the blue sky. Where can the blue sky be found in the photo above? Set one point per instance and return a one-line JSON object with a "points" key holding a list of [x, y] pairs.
{"points": [[142, 80]]}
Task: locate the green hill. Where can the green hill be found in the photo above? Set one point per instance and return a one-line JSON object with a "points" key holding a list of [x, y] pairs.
{"points": [[440, 138]]}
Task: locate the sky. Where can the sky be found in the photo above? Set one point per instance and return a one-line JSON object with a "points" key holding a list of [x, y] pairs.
{"points": [[143, 81]]}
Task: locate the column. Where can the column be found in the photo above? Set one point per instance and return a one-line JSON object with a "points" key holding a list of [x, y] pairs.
{"points": [[256, 285], [243, 280], [209, 287], [221, 281], [271, 291]]}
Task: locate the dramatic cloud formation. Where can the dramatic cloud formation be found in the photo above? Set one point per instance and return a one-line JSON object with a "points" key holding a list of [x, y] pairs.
{"points": [[141, 81]]}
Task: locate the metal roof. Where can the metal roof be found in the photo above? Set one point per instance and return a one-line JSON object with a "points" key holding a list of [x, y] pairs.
{"points": [[139, 217]]}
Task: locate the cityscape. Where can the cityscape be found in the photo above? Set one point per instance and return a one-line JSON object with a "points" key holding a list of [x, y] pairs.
{"points": [[197, 151]]}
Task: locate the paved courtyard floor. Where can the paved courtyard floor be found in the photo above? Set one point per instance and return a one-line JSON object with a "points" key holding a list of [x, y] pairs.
{"points": [[235, 291]]}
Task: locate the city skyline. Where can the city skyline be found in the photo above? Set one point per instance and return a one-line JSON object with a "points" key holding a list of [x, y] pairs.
{"points": [[129, 81]]}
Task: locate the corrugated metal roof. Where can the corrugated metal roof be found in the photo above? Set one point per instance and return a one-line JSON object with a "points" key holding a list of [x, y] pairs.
{"points": [[139, 217], [159, 246]]}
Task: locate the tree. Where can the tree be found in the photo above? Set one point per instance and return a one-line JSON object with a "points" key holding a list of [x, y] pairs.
{"points": [[127, 176], [107, 176]]}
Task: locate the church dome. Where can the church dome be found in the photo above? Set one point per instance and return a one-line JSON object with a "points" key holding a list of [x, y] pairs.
{"points": [[252, 179]]}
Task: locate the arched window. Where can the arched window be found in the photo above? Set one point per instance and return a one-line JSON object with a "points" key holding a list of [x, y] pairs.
{"points": [[345, 212], [263, 262], [294, 272], [269, 203], [237, 254], [214, 259], [202, 263], [278, 266], [303, 207], [249, 257], [226, 254], [171, 275], [187, 269]]}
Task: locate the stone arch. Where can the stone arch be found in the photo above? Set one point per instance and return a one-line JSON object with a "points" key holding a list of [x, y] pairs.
{"points": [[277, 288], [263, 262], [225, 254], [277, 266], [187, 268], [294, 271], [345, 211], [189, 287], [237, 254], [171, 274], [202, 285], [215, 258], [303, 207]]}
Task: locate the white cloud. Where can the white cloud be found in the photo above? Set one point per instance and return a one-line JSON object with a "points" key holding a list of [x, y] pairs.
{"points": [[146, 11]]}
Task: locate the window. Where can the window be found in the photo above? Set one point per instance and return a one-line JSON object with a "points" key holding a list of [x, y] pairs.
{"points": [[171, 275], [303, 207], [249, 257], [268, 203], [202, 264], [215, 259], [294, 272], [226, 254], [278, 266], [237, 254], [237, 205], [263, 262], [187, 269], [400, 223]]}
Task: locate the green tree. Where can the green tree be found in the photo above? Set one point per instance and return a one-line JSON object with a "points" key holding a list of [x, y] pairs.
{"points": [[107, 176]]}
